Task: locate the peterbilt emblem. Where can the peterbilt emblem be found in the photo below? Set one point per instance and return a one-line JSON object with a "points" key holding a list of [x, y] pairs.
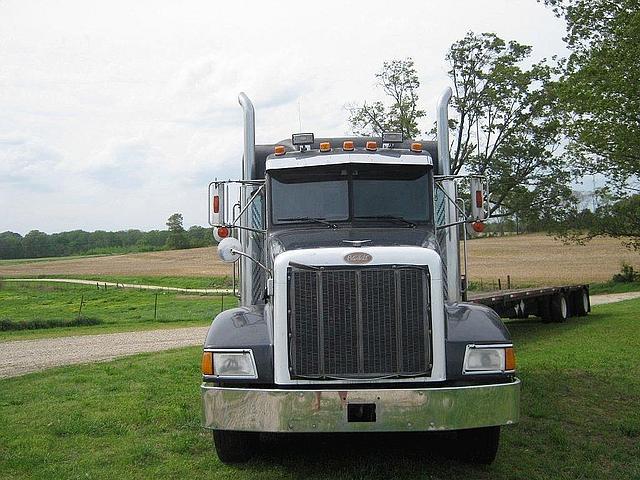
{"points": [[358, 258]]}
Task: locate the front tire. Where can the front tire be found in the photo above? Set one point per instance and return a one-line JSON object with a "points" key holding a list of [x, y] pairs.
{"points": [[479, 445], [235, 447]]}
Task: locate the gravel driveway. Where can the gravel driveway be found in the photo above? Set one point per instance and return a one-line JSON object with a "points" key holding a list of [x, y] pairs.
{"points": [[25, 356]]}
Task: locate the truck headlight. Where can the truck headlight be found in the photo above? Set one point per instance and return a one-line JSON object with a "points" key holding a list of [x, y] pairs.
{"points": [[230, 363], [489, 359]]}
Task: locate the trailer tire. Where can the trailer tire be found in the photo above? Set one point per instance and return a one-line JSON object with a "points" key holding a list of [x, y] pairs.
{"points": [[559, 308], [235, 447], [581, 302], [479, 445]]}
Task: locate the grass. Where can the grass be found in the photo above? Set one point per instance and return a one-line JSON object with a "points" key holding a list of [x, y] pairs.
{"points": [[220, 281], [117, 309], [139, 417], [613, 287]]}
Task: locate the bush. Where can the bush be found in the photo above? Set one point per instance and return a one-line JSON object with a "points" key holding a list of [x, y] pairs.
{"points": [[6, 324], [627, 274]]}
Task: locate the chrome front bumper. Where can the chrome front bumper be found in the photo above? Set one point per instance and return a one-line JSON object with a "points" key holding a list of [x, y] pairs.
{"points": [[396, 410]]}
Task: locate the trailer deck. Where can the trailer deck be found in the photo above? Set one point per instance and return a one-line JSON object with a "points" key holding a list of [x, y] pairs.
{"points": [[522, 302]]}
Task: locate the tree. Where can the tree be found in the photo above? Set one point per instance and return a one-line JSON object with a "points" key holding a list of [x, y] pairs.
{"points": [[505, 127], [599, 93], [10, 245], [399, 82], [35, 244], [177, 238]]}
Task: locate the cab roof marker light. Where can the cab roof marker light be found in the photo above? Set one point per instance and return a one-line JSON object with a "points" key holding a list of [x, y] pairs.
{"points": [[416, 147], [325, 147], [279, 150], [348, 146], [372, 146]]}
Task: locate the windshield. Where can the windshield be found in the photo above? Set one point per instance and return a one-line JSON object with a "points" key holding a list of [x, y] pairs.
{"points": [[351, 193]]}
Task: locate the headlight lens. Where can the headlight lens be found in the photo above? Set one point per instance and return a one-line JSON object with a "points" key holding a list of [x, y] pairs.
{"points": [[234, 364], [489, 359]]}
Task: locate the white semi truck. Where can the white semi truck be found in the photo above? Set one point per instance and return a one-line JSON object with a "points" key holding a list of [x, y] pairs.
{"points": [[351, 315]]}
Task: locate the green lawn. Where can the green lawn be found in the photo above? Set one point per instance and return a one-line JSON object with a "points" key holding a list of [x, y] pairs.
{"points": [[161, 281], [139, 417], [117, 309]]}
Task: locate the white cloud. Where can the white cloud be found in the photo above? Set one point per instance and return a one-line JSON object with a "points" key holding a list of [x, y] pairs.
{"points": [[125, 111]]}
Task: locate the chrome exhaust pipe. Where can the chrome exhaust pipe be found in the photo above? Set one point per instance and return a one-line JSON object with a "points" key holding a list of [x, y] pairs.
{"points": [[248, 165], [451, 250]]}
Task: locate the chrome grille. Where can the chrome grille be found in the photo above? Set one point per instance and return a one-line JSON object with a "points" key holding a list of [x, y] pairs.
{"points": [[359, 322]]}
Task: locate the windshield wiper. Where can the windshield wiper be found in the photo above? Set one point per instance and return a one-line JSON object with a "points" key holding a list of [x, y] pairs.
{"points": [[307, 219], [388, 217]]}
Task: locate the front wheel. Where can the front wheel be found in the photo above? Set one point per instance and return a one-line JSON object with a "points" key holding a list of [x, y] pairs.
{"points": [[235, 447], [479, 445]]}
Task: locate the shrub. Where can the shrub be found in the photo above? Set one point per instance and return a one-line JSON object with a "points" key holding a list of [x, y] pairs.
{"points": [[627, 274], [6, 324]]}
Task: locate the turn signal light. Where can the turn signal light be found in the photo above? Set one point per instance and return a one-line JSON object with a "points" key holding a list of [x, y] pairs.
{"points": [[207, 363], [510, 359], [325, 147], [223, 232], [416, 147], [348, 146], [372, 146], [279, 150], [478, 227]]}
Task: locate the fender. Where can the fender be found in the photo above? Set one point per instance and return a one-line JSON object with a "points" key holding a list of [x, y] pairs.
{"points": [[470, 323], [247, 328]]}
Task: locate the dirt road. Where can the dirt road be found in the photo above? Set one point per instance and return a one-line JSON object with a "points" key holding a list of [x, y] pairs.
{"points": [[25, 356]]}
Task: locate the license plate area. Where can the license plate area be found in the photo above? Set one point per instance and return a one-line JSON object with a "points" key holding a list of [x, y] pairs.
{"points": [[361, 412]]}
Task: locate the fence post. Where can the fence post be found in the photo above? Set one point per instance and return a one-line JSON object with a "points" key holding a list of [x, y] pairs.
{"points": [[155, 308], [509, 282], [81, 303], [499, 285]]}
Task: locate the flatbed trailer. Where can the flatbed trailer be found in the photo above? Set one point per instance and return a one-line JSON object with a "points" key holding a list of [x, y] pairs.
{"points": [[549, 303]]}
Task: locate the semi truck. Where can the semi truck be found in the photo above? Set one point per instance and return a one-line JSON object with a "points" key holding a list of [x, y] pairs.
{"points": [[352, 314]]}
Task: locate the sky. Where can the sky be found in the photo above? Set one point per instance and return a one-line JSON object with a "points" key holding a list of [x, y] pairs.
{"points": [[116, 114]]}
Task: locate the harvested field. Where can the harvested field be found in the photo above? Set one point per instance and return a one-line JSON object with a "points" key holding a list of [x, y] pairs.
{"points": [[195, 262], [538, 259], [535, 259]]}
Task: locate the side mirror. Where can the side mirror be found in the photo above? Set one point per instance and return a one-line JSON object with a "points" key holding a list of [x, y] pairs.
{"points": [[217, 206], [228, 249], [478, 196]]}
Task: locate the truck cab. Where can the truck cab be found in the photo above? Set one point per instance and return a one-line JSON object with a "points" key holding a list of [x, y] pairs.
{"points": [[350, 319]]}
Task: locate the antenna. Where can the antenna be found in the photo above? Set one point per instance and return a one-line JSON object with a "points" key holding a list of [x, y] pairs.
{"points": [[299, 117]]}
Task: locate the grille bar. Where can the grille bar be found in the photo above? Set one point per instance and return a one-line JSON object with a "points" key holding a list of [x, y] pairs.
{"points": [[359, 322]]}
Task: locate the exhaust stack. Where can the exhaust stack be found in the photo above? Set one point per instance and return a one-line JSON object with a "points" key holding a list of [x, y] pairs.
{"points": [[248, 165], [450, 238]]}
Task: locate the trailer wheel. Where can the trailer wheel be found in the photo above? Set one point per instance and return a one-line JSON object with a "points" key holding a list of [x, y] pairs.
{"points": [[479, 445], [559, 308], [581, 302], [235, 447]]}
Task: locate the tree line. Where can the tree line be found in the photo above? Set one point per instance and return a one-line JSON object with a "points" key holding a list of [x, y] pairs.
{"points": [[37, 244], [535, 129]]}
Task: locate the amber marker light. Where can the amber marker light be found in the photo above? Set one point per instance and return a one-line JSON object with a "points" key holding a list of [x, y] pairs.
{"points": [[279, 150], [372, 146], [348, 146], [509, 359], [207, 363], [223, 232], [416, 147], [325, 147]]}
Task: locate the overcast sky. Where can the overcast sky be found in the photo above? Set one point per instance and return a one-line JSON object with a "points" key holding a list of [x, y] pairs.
{"points": [[116, 114]]}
